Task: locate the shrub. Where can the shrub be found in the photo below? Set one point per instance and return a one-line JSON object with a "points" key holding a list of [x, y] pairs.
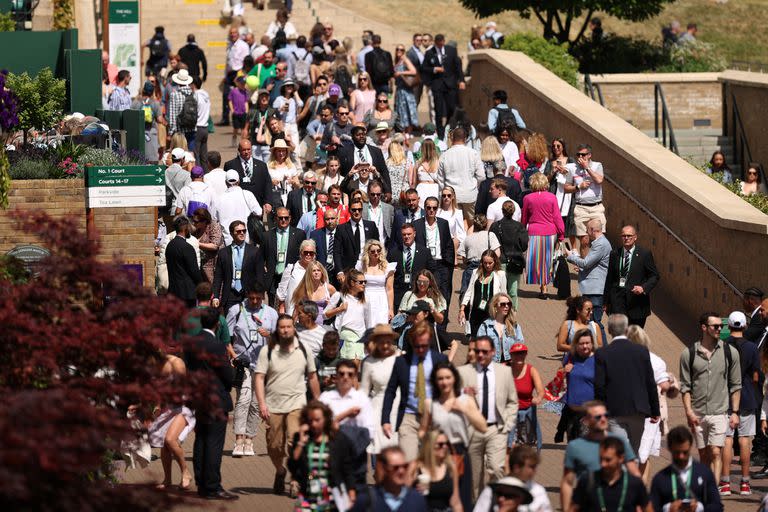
{"points": [[6, 22], [40, 99], [28, 169], [759, 201], [99, 157], [618, 54], [551, 55], [693, 57], [63, 14]]}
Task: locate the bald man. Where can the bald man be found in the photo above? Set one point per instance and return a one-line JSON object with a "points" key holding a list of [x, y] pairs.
{"points": [[593, 268]]}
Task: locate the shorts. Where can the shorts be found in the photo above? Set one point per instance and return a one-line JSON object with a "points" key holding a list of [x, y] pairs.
{"points": [[238, 121], [468, 209], [747, 425], [583, 213], [711, 430]]}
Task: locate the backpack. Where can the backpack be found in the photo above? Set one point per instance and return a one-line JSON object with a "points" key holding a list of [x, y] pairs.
{"points": [[198, 200], [187, 118], [301, 347], [158, 48], [301, 69], [728, 363], [148, 114], [382, 66], [505, 118], [343, 79]]}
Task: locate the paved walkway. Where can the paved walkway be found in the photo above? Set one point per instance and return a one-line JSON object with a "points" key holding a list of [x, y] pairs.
{"points": [[540, 320]]}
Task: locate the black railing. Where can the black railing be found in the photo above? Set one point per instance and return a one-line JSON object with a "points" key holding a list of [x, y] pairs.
{"points": [[740, 142], [666, 123], [593, 90]]}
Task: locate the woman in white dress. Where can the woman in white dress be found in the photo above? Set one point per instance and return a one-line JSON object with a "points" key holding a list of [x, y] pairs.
{"points": [[375, 373], [351, 315], [424, 174], [449, 210], [282, 171], [379, 289], [171, 427]]}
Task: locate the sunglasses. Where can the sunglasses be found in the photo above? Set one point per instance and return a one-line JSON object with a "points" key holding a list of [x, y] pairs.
{"points": [[374, 194], [240, 231], [283, 217], [420, 347], [398, 467], [310, 182], [362, 281], [716, 326], [308, 253], [482, 351], [422, 283], [598, 417], [362, 79], [430, 208], [345, 374], [504, 304], [582, 154], [374, 251], [343, 113], [447, 195], [508, 495], [382, 101], [441, 444], [355, 209], [752, 173]]}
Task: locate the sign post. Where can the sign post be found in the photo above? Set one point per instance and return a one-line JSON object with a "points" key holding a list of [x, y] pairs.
{"points": [[125, 40], [125, 186]]}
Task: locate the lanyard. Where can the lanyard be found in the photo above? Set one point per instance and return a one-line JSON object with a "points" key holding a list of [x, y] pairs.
{"points": [[248, 320], [436, 235], [674, 478], [485, 288], [319, 458], [624, 485]]}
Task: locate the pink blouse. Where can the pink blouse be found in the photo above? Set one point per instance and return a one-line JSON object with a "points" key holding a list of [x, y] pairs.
{"points": [[541, 214]]}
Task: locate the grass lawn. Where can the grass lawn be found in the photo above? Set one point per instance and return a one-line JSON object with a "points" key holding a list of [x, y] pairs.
{"points": [[736, 26]]}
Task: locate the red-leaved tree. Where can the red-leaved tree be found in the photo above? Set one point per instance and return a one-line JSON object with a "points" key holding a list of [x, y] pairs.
{"points": [[71, 364]]}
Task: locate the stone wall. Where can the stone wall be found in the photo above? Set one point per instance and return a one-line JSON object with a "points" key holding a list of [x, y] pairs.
{"points": [[751, 93], [694, 100], [707, 241], [126, 232]]}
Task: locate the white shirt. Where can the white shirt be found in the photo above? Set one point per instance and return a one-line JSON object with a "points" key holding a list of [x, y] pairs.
{"points": [[235, 55], [217, 180], [235, 204], [461, 168], [593, 193], [540, 501], [491, 392], [312, 338], [203, 107], [355, 318], [354, 398], [329, 257], [455, 223], [198, 191], [495, 213], [376, 215], [511, 155], [292, 276], [433, 240], [366, 155]]}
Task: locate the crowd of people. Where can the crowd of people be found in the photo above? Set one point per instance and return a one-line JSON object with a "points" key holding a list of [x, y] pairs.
{"points": [[320, 262]]}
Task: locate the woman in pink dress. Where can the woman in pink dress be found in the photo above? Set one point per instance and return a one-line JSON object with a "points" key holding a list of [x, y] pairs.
{"points": [[363, 98], [541, 216]]}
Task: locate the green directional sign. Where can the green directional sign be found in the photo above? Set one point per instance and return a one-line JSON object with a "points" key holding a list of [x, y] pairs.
{"points": [[124, 181], [127, 170]]}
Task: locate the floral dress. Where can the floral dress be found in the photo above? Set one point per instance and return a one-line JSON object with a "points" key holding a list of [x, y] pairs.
{"points": [[405, 101], [397, 176]]}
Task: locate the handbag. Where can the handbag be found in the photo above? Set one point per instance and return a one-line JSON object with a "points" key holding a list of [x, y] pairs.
{"points": [[458, 463], [412, 80]]}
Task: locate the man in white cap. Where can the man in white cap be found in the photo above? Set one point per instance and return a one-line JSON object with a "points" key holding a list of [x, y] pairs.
{"points": [[182, 119], [493, 35], [176, 177], [235, 204]]}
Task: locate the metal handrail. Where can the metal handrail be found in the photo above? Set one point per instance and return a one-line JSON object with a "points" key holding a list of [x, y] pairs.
{"points": [[740, 142], [666, 121], [590, 88]]}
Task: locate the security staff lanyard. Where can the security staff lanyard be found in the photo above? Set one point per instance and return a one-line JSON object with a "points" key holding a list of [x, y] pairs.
{"points": [[687, 489], [622, 498]]}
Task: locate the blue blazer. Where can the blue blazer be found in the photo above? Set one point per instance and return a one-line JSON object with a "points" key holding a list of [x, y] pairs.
{"points": [[399, 379], [703, 488], [413, 500], [318, 236]]}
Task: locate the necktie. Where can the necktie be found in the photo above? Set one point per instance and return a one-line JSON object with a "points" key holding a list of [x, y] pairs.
{"points": [[329, 266], [356, 234], [360, 155], [421, 385], [408, 261], [626, 261], [309, 203], [247, 165], [280, 267], [485, 393], [236, 283]]}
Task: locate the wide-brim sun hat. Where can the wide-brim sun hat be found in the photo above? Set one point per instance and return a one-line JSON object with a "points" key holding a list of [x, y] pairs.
{"points": [[382, 126], [279, 144], [182, 77], [382, 331], [518, 485]]}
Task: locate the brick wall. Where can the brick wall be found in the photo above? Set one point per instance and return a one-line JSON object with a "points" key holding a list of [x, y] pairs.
{"points": [[727, 232], [690, 97], [751, 93], [126, 232]]}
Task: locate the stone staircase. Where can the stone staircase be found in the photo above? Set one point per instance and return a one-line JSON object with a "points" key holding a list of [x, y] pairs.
{"points": [[697, 145]]}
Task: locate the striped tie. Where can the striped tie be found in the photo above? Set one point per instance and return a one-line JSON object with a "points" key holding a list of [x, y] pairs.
{"points": [[408, 261], [329, 266]]}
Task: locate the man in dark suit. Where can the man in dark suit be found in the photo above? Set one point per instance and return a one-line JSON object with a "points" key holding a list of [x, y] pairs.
{"points": [[183, 270], [281, 248], [351, 239], [755, 328], [435, 233], [302, 200], [325, 241], [624, 382], [421, 360], [238, 267], [357, 155], [484, 192], [632, 275], [443, 65], [410, 260], [208, 356], [407, 215], [254, 175]]}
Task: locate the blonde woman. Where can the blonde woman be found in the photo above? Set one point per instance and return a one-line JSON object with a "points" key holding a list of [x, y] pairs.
{"points": [[424, 175], [330, 175], [282, 171], [379, 290], [314, 287], [178, 140], [502, 327], [435, 474], [449, 210], [487, 281], [351, 315], [492, 157], [362, 99], [399, 170], [650, 443]]}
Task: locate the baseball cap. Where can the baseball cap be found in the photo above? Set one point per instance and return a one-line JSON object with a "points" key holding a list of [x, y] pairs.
{"points": [[737, 320], [178, 153], [334, 90], [418, 307], [197, 172], [518, 347], [232, 176]]}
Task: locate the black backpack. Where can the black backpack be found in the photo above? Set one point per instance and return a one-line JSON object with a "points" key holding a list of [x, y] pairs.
{"points": [[505, 118], [158, 48], [187, 118], [382, 66], [343, 79]]}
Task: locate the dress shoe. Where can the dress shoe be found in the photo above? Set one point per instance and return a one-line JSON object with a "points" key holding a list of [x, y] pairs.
{"points": [[278, 487], [222, 495]]}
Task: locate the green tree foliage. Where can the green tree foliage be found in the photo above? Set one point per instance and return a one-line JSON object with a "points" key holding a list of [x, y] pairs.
{"points": [[6, 22], [551, 55], [560, 17], [40, 99]]}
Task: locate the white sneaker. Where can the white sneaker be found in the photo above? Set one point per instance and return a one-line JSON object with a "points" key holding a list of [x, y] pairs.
{"points": [[248, 449], [238, 450]]}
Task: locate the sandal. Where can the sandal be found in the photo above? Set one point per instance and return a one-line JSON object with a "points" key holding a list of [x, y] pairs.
{"points": [[186, 482]]}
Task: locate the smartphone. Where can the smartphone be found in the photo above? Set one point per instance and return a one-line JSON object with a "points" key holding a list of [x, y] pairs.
{"points": [[686, 503]]}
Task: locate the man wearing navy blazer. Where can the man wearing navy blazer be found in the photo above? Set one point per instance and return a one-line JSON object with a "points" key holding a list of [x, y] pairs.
{"points": [[417, 361], [302, 200], [409, 214], [183, 270], [419, 258], [443, 64], [632, 274], [435, 233], [281, 248], [232, 277], [254, 175], [325, 238], [347, 246]]}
